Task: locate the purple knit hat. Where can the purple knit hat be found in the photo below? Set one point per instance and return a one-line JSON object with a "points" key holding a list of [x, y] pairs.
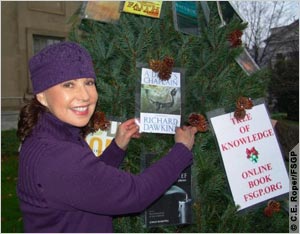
{"points": [[58, 63]]}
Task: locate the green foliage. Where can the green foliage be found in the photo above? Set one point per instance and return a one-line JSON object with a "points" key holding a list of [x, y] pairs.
{"points": [[285, 86], [11, 219], [212, 80], [9, 141]]}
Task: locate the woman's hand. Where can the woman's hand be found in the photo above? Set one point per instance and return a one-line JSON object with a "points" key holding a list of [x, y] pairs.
{"points": [[186, 136], [127, 130]]}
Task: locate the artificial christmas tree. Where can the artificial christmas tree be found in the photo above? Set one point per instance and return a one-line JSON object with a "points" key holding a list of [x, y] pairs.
{"points": [[213, 79]]}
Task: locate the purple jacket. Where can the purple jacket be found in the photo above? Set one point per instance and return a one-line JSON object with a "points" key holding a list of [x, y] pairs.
{"points": [[63, 187]]}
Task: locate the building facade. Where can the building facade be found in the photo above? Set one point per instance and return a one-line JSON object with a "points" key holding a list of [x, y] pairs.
{"points": [[26, 27], [283, 42]]}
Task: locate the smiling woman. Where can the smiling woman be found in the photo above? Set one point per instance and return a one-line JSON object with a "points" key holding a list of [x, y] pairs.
{"points": [[62, 186], [73, 101], [54, 74]]}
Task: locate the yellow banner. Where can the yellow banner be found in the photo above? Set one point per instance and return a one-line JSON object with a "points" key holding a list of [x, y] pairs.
{"points": [[145, 8]]}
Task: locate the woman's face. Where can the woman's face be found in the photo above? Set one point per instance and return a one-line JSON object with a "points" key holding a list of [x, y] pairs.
{"points": [[72, 101]]}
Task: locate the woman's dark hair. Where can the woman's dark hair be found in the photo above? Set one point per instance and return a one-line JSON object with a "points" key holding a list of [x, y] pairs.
{"points": [[29, 116]]}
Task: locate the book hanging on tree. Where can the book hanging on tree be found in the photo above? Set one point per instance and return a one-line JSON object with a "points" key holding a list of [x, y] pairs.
{"points": [[250, 153], [247, 63], [174, 207], [144, 8], [227, 12], [101, 138], [103, 11], [185, 17], [206, 11], [158, 101]]}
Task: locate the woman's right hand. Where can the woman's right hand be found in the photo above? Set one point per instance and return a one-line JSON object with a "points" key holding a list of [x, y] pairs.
{"points": [[125, 132], [186, 136]]}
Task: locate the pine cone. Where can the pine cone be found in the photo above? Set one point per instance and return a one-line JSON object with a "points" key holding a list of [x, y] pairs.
{"points": [[244, 103], [240, 113], [164, 75], [275, 205], [100, 122], [198, 121], [164, 68], [169, 62], [155, 65], [165, 72], [235, 38], [268, 211]]}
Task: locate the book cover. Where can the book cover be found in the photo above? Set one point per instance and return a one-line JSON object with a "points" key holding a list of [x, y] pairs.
{"points": [[174, 207], [185, 16], [100, 140], [247, 63], [103, 11], [160, 102], [227, 11], [144, 8]]}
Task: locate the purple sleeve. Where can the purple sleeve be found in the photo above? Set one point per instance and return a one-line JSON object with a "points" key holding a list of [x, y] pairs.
{"points": [[113, 155], [82, 182]]}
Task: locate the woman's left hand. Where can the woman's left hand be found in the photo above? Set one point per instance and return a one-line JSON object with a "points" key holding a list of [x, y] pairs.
{"points": [[127, 130]]}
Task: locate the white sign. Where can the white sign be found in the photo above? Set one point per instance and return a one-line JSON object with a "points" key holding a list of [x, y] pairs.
{"points": [[251, 155]]}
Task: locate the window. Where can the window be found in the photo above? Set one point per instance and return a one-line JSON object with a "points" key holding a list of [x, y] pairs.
{"points": [[40, 42]]}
